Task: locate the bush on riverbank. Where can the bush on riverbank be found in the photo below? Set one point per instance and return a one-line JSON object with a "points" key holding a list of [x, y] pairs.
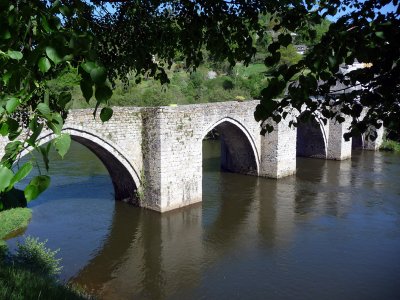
{"points": [[31, 272], [17, 283], [389, 145]]}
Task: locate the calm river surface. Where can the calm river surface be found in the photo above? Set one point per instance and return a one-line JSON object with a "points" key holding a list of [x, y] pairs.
{"points": [[330, 232]]}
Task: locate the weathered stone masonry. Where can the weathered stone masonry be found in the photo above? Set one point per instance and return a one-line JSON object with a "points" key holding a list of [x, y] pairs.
{"points": [[154, 155]]}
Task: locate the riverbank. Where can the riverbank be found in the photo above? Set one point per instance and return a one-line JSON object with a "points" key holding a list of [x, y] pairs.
{"points": [[17, 280], [13, 222], [17, 283], [389, 145]]}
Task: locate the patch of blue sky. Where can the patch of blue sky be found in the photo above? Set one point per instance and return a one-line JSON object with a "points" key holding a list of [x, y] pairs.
{"points": [[389, 8]]}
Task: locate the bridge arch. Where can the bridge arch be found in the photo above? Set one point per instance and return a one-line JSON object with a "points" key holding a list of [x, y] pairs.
{"points": [[239, 153], [311, 139], [124, 176]]}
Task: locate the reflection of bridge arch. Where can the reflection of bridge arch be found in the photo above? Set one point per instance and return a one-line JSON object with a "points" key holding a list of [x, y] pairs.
{"points": [[123, 174], [238, 149], [115, 249], [311, 139]]}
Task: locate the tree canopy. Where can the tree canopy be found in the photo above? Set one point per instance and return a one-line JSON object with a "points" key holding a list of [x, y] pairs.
{"points": [[109, 40]]}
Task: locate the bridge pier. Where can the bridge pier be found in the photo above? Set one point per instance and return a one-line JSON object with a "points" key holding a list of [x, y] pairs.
{"points": [[337, 147], [278, 151], [374, 145], [172, 160]]}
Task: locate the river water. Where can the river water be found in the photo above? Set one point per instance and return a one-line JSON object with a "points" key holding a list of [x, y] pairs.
{"points": [[330, 232]]}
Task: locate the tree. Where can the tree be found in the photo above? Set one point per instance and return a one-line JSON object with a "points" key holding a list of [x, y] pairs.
{"points": [[37, 43], [365, 34], [39, 39]]}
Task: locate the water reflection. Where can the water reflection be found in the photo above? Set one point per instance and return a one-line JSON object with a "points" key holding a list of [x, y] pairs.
{"points": [[332, 231]]}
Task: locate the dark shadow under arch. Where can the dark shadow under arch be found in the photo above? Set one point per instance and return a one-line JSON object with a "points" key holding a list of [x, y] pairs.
{"points": [[310, 140], [237, 153], [357, 142], [124, 185]]}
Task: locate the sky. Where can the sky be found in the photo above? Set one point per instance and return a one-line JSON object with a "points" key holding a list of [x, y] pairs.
{"points": [[388, 8]]}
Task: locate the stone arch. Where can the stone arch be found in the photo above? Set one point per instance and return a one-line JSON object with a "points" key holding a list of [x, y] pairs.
{"points": [[124, 176], [238, 150], [311, 139]]}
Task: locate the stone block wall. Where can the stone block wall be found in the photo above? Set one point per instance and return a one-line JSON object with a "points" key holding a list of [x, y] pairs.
{"points": [[338, 148], [278, 150]]}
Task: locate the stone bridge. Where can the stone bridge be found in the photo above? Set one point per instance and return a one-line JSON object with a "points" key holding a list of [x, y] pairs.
{"points": [[154, 155]]}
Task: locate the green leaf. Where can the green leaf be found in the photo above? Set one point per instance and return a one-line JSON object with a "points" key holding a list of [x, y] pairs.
{"points": [[22, 173], [44, 64], [36, 130], [98, 75], [12, 150], [56, 123], [45, 24], [13, 129], [103, 93], [6, 77], [44, 109], [62, 144], [64, 98], [44, 151], [285, 39], [65, 10], [53, 55], [6, 35], [14, 198], [5, 177], [3, 129], [17, 55], [12, 104], [106, 114], [37, 186], [332, 61], [87, 89], [88, 66]]}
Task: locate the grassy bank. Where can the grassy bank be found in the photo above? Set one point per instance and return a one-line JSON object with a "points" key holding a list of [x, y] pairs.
{"points": [[19, 284], [389, 145], [13, 221]]}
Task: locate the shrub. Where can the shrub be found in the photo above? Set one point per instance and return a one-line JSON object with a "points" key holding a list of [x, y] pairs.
{"points": [[35, 257], [389, 145], [17, 283]]}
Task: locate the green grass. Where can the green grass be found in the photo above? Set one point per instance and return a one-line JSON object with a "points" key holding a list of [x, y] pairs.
{"points": [[19, 284], [252, 69], [13, 221], [389, 145]]}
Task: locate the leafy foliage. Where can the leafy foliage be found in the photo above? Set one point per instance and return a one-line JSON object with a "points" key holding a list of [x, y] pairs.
{"points": [[366, 35], [35, 257], [389, 145], [37, 44]]}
